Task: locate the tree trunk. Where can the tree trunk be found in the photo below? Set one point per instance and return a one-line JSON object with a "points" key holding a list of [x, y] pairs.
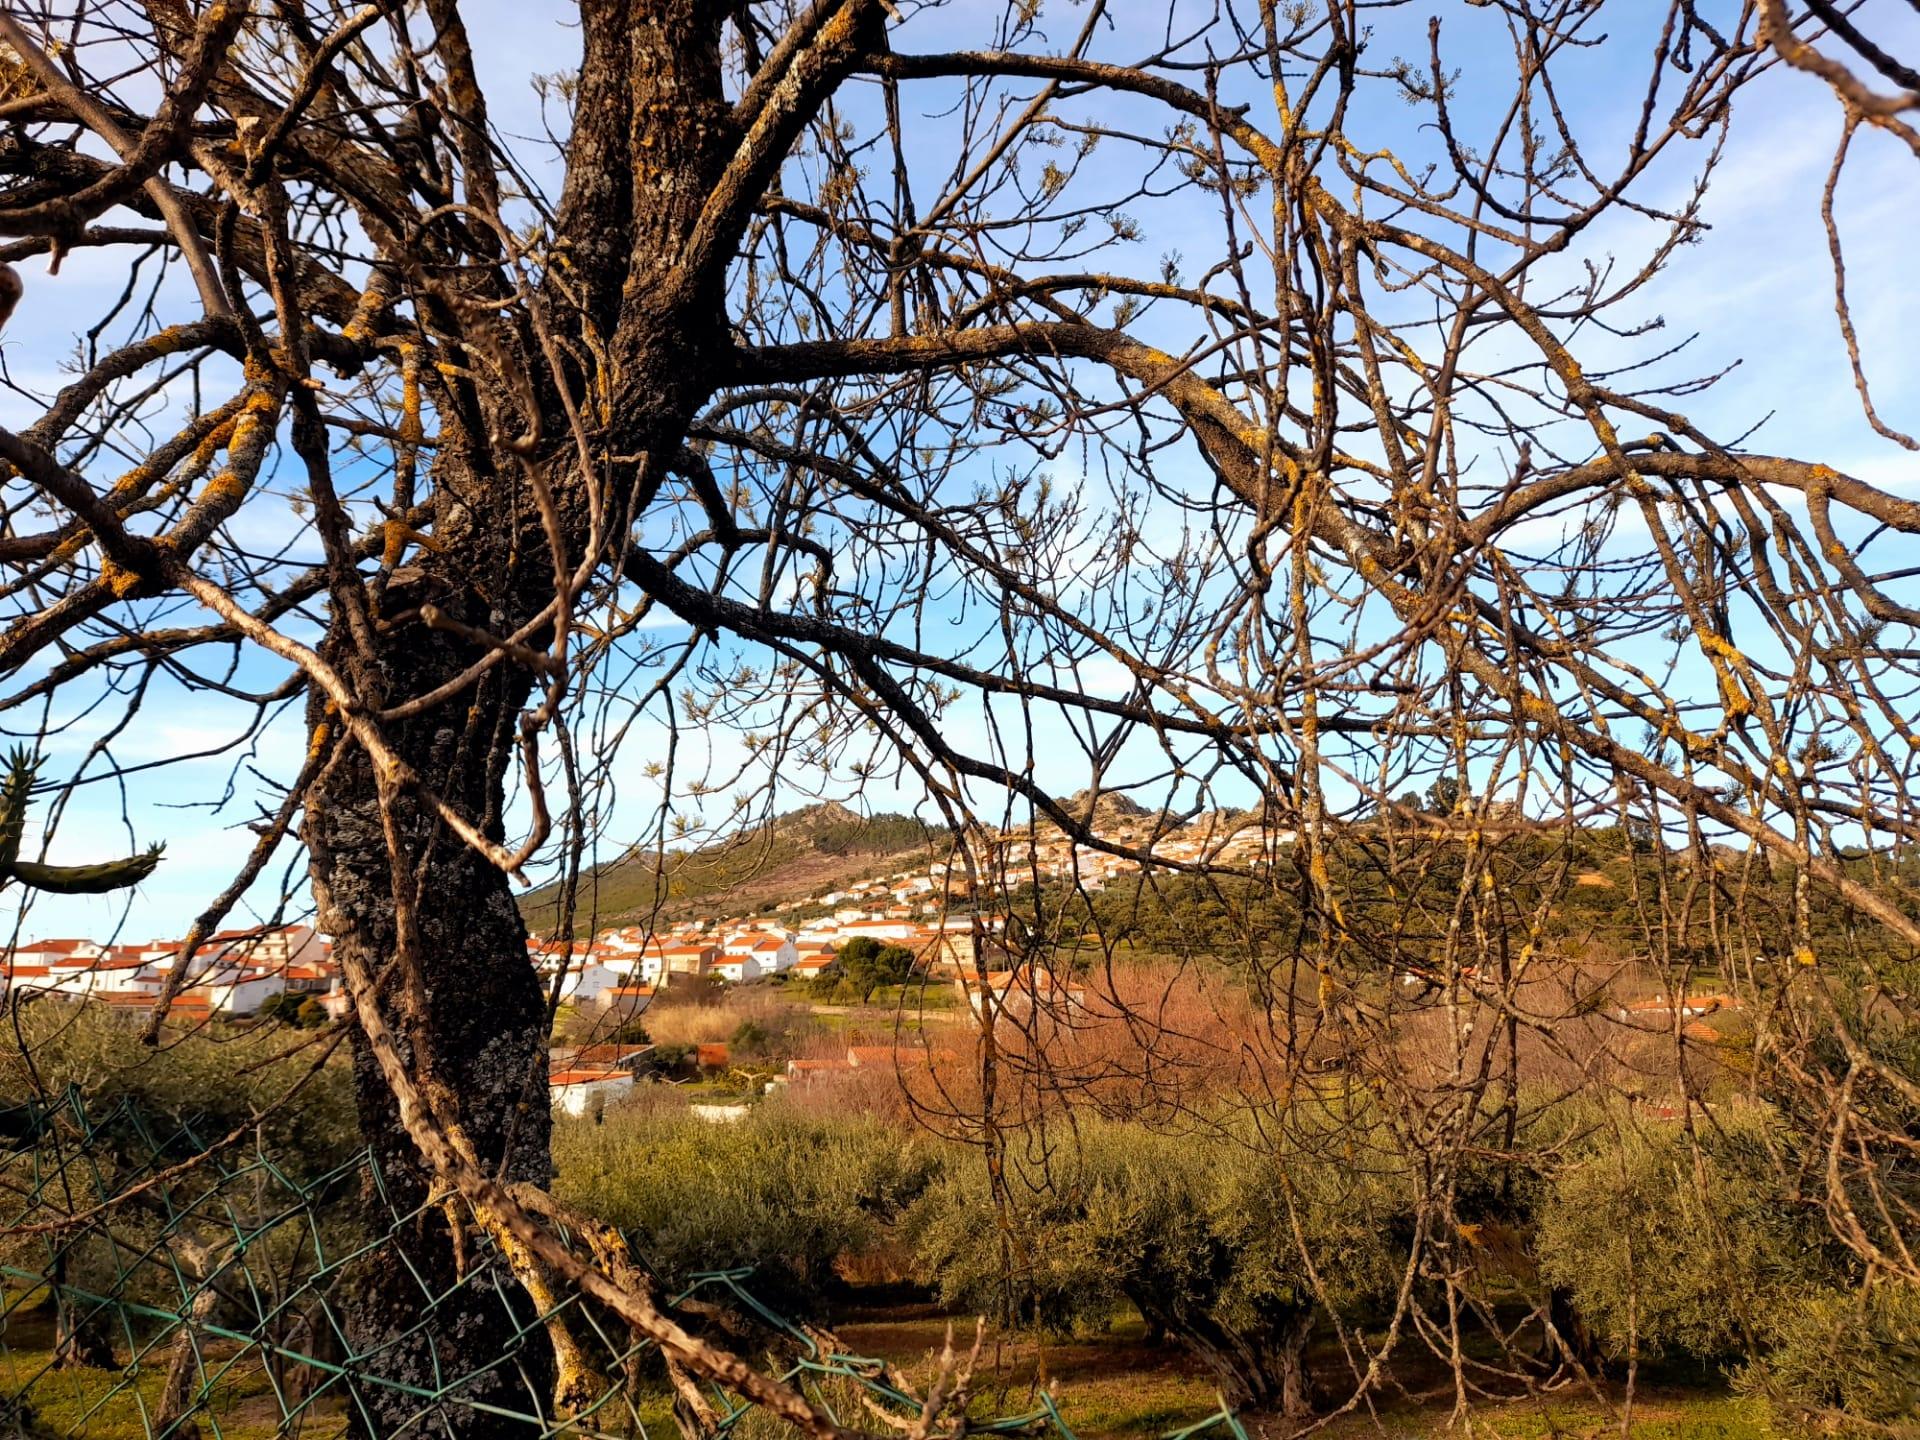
{"points": [[1290, 1340], [653, 134], [176, 1395], [81, 1338], [1261, 1370], [1567, 1333], [420, 1313], [310, 1334], [80, 1333]]}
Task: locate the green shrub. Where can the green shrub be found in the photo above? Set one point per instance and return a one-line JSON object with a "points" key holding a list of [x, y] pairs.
{"points": [[147, 1108], [780, 1193], [1207, 1237], [1678, 1249], [1845, 1363], [666, 1060], [629, 1032]]}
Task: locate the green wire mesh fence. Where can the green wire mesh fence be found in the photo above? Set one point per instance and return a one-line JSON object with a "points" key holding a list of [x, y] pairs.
{"points": [[155, 1282]]}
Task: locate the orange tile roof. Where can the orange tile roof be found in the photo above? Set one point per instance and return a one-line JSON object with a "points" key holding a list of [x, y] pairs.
{"points": [[142, 1001]]}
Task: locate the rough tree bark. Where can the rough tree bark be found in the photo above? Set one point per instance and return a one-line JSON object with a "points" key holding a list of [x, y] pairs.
{"points": [[649, 143], [478, 1034], [81, 1336], [1262, 1368]]}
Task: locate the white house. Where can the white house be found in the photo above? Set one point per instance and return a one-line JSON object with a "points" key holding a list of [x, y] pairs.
{"points": [[776, 953], [643, 967], [736, 969], [812, 966], [586, 981], [126, 972], [235, 991], [94, 972], [73, 978], [584, 1092], [888, 931], [259, 949], [628, 941], [56, 952], [770, 953]]}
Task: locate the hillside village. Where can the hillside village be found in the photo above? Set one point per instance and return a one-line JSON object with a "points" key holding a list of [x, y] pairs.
{"points": [[930, 909], [949, 928]]}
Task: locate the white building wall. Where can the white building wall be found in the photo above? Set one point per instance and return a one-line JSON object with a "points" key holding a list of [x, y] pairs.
{"points": [[582, 1097]]}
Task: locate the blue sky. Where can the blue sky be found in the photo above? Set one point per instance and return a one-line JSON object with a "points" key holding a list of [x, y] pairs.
{"points": [[1758, 288]]}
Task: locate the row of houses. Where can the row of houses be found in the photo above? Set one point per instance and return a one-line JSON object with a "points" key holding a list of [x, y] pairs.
{"points": [[1017, 857], [623, 968], [1020, 857], [233, 973], [900, 896], [237, 973]]}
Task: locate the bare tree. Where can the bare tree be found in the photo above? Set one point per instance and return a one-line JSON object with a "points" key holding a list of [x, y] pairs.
{"points": [[840, 334]]}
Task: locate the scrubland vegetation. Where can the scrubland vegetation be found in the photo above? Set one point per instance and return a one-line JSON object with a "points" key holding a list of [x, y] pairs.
{"points": [[1159, 1237], [1619, 1242]]}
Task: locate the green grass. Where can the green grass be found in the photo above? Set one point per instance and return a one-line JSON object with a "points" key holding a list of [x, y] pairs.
{"points": [[1658, 1416], [1114, 1384], [1108, 1384], [109, 1405]]}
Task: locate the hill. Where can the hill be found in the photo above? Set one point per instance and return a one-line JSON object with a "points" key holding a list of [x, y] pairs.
{"points": [[804, 852], [1106, 808]]}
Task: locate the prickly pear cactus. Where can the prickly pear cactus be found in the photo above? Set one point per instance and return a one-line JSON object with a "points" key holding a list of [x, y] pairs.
{"points": [[57, 879]]}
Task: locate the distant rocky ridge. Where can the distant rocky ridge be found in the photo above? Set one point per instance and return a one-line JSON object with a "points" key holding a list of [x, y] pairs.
{"points": [[1099, 804]]}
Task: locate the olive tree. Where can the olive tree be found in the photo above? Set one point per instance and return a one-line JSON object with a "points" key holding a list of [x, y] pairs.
{"points": [[1223, 1245]]}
